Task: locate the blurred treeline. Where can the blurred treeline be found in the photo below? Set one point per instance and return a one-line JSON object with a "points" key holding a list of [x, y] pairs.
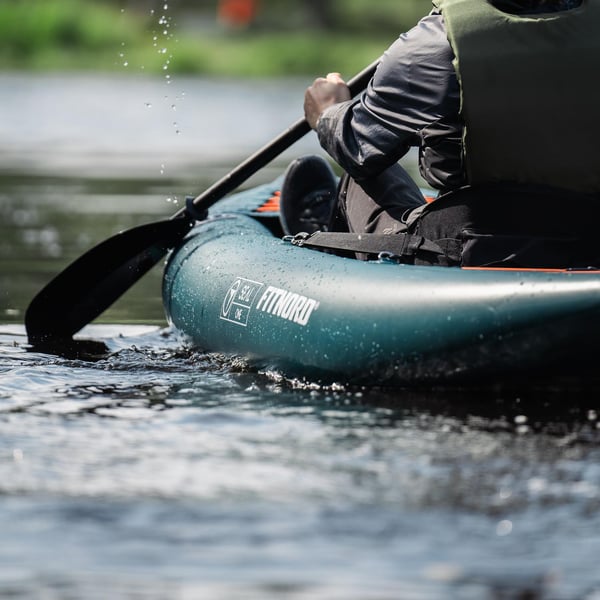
{"points": [[192, 36]]}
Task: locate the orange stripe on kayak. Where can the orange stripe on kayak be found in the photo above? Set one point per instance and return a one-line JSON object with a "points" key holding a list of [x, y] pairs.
{"points": [[271, 205], [531, 270]]}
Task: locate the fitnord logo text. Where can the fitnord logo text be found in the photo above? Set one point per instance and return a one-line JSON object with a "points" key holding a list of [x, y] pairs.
{"points": [[287, 305]]}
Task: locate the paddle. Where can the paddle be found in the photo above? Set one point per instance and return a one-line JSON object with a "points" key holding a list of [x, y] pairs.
{"points": [[89, 285]]}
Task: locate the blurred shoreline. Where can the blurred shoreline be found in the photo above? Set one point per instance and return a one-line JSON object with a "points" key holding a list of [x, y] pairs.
{"points": [[160, 38]]}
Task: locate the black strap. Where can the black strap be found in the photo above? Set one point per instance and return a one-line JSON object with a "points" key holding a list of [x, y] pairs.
{"points": [[398, 245]]}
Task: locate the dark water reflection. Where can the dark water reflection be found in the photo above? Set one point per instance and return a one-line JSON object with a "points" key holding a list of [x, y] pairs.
{"points": [[158, 471], [46, 222]]}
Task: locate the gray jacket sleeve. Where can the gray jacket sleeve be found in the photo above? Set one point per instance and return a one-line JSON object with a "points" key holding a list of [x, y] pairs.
{"points": [[413, 100]]}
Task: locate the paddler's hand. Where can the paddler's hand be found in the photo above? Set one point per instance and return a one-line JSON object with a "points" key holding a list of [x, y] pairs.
{"points": [[323, 93]]}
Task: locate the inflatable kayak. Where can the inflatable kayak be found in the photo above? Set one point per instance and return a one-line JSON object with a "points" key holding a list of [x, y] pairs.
{"points": [[235, 286]]}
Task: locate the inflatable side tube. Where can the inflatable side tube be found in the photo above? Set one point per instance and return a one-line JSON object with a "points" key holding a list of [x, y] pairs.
{"points": [[234, 288]]}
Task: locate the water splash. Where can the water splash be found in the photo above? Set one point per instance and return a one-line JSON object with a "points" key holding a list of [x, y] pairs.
{"points": [[161, 39], [122, 57]]}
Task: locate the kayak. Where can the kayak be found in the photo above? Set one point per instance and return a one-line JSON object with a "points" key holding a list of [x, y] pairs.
{"points": [[234, 285]]}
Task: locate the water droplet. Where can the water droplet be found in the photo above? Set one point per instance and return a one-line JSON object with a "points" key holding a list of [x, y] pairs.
{"points": [[166, 6], [148, 104], [504, 528], [125, 64], [173, 107]]}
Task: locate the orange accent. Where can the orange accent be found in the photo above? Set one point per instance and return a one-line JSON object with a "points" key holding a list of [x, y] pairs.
{"points": [[271, 205], [429, 199], [575, 271]]}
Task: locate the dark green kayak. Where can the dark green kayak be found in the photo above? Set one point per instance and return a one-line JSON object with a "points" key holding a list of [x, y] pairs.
{"points": [[234, 286]]}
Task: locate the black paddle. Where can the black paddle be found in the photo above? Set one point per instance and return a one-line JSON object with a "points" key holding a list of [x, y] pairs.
{"points": [[89, 285]]}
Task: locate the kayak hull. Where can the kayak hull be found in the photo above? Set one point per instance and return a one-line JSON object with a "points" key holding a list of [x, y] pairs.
{"points": [[233, 287]]}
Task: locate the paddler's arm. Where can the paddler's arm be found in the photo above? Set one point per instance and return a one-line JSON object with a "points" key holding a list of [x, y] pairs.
{"points": [[412, 100]]}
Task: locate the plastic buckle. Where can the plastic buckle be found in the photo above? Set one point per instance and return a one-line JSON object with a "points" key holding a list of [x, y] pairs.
{"points": [[299, 238]]}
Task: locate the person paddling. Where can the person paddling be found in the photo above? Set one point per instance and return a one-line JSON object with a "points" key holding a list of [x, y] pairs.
{"points": [[495, 95]]}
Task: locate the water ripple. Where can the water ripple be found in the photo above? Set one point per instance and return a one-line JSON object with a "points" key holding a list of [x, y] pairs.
{"points": [[156, 449]]}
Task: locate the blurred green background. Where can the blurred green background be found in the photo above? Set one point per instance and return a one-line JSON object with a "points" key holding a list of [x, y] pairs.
{"points": [[282, 37]]}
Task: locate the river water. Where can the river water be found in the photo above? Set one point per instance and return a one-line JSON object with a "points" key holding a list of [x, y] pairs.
{"points": [[159, 471]]}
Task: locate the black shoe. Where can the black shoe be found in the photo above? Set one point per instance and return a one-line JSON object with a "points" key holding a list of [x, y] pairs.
{"points": [[307, 195]]}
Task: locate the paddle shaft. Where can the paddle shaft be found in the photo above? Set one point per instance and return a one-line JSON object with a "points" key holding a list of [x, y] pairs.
{"points": [[270, 151], [89, 285]]}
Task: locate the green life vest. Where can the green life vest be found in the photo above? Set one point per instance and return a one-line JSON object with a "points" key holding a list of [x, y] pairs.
{"points": [[529, 98]]}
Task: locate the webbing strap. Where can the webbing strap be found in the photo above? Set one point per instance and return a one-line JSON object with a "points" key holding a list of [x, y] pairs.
{"points": [[401, 245]]}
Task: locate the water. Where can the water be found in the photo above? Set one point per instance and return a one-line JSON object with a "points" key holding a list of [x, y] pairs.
{"points": [[159, 471]]}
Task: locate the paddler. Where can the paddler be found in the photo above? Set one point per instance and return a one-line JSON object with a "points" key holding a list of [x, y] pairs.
{"points": [[499, 97]]}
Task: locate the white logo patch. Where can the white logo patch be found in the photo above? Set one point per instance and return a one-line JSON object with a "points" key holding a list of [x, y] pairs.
{"points": [[290, 306], [238, 301]]}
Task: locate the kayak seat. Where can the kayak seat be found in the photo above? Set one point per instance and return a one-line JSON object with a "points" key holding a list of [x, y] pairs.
{"points": [[307, 195]]}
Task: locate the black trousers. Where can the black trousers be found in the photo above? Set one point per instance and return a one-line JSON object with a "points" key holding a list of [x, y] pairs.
{"points": [[378, 205], [497, 225]]}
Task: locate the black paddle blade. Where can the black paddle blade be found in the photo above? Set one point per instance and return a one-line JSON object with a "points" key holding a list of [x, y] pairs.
{"points": [[87, 350], [88, 286]]}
